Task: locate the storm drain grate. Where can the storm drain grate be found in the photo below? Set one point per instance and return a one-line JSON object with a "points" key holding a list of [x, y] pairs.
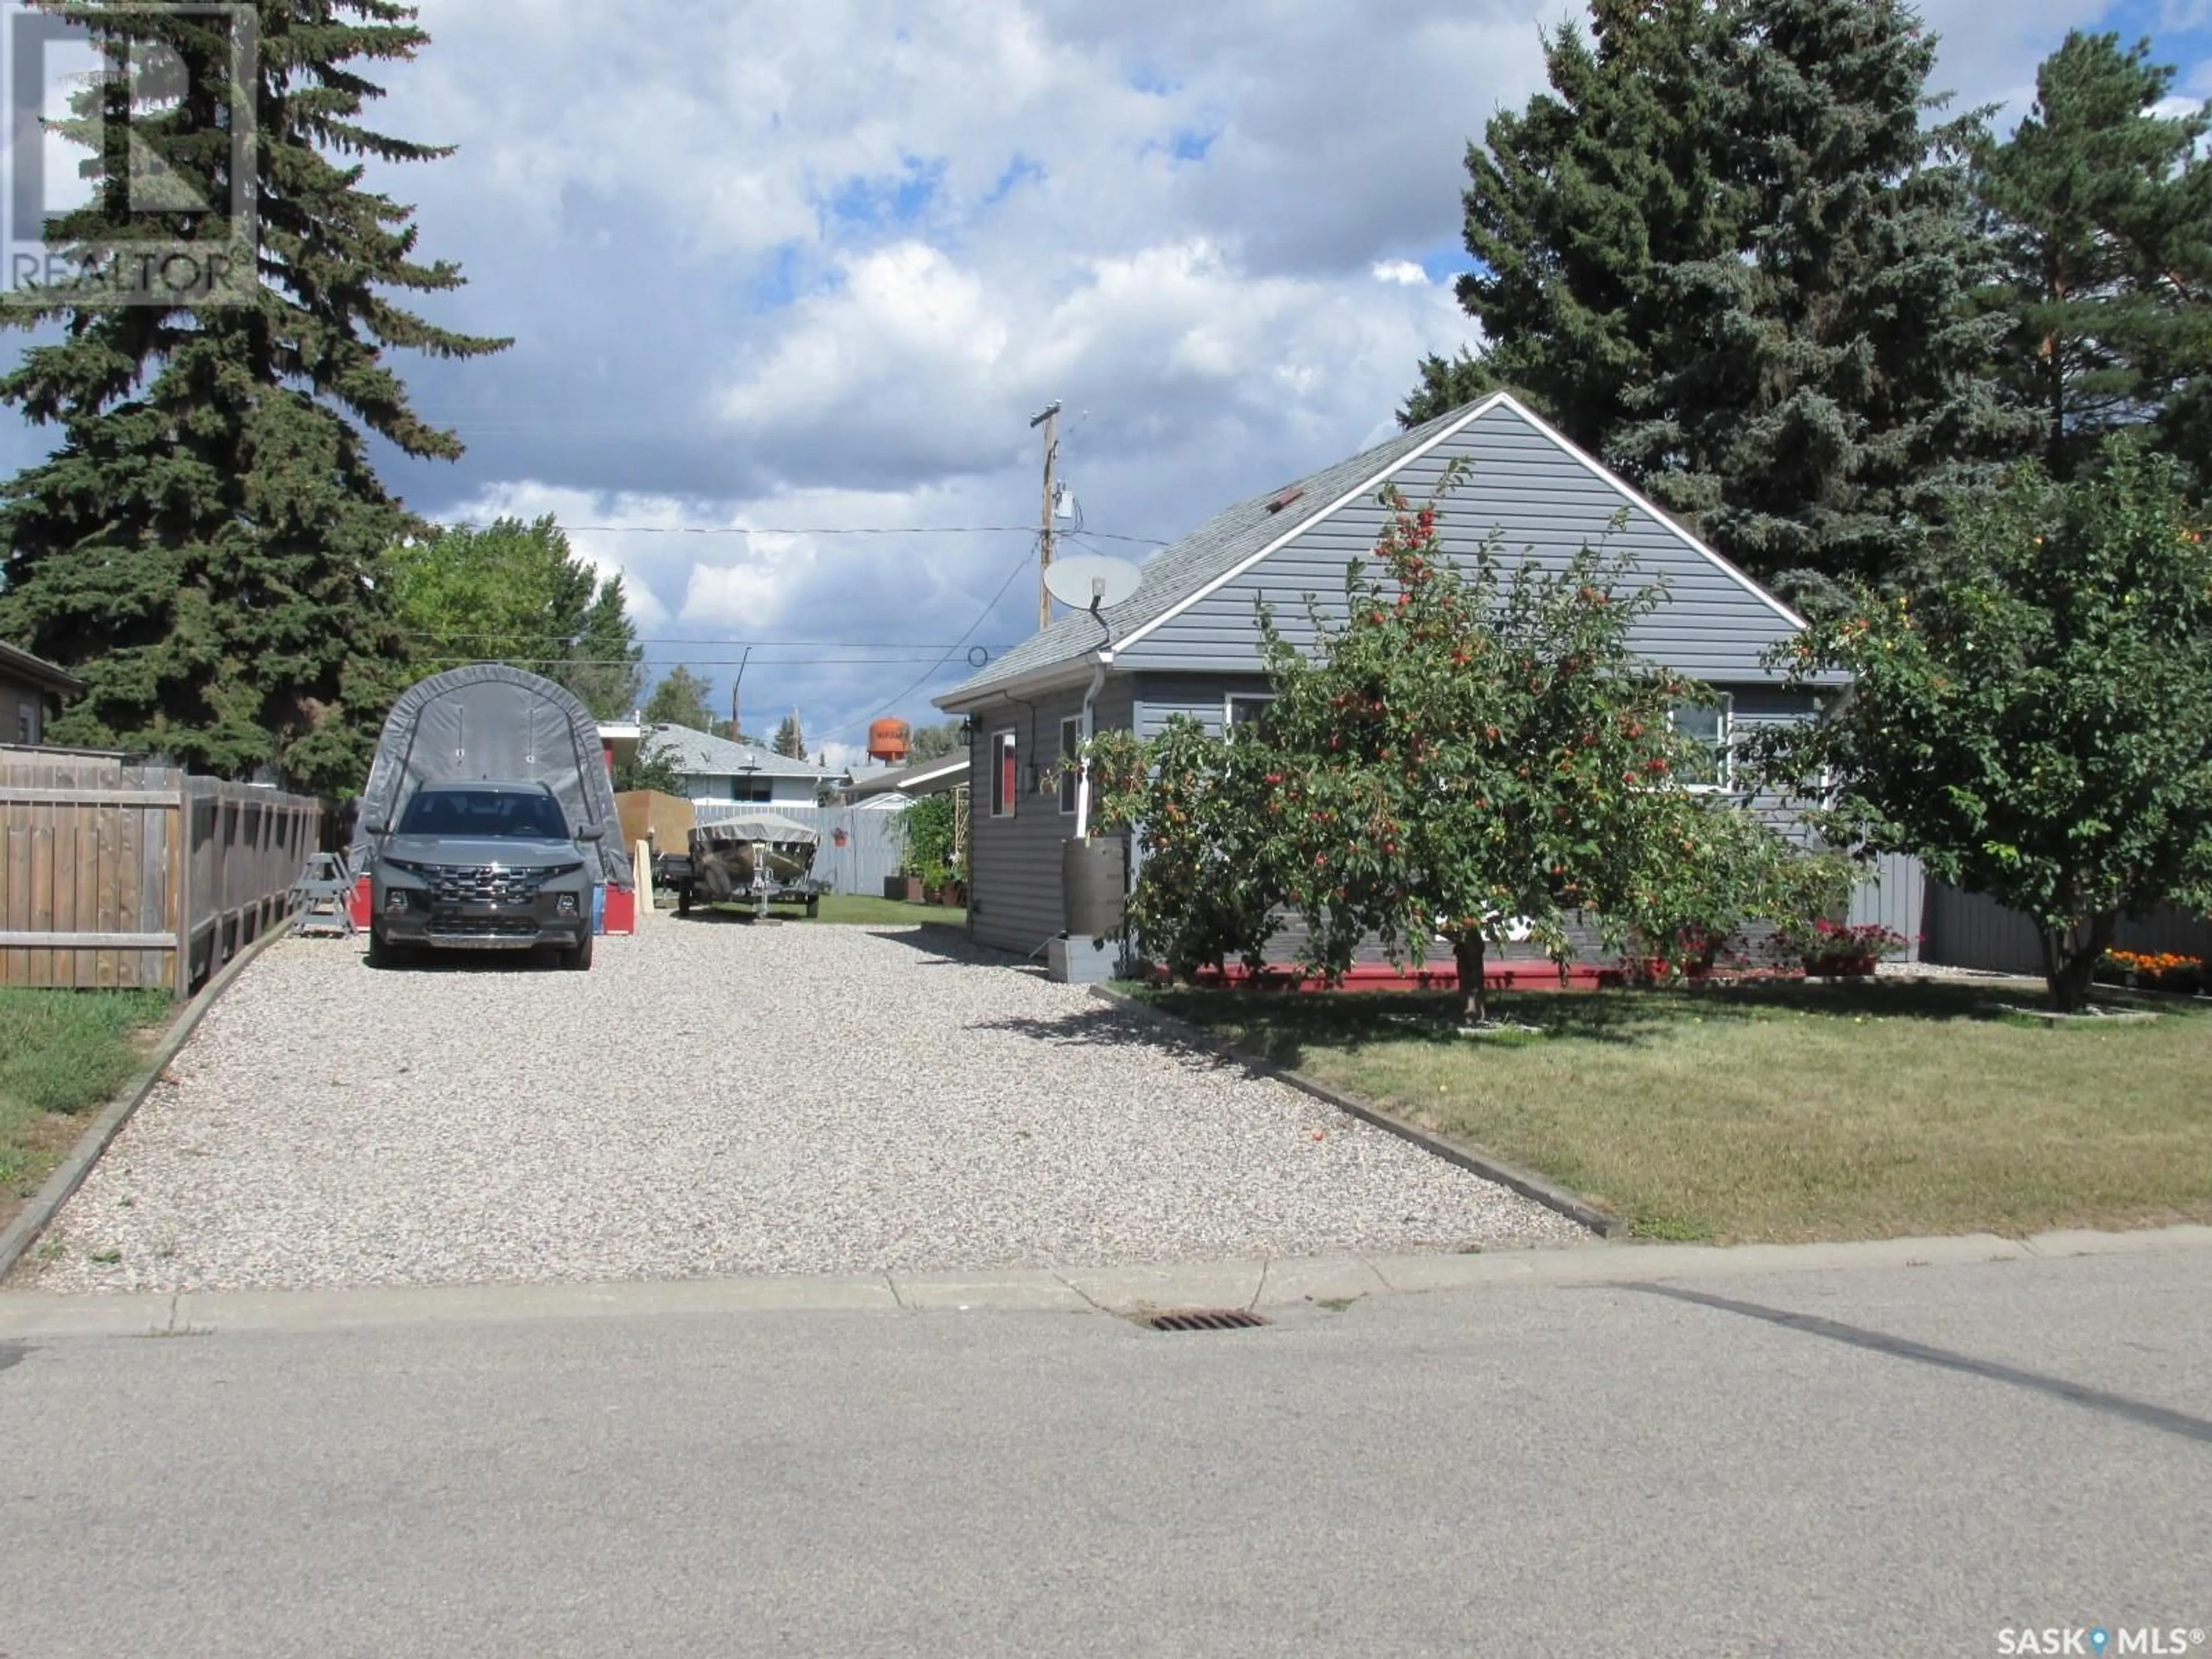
{"points": [[1204, 1319]]}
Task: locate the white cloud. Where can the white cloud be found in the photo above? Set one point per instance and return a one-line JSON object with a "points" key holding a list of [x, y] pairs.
{"points": [[1404, 272]]}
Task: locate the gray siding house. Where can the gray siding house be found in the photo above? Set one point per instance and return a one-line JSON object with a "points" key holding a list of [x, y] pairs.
{"points": [[715, 769], [1188, 642], [29, 686]]}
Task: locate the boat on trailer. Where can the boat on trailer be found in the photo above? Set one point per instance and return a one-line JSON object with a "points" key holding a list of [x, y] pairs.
{"points": [[762, 857]]}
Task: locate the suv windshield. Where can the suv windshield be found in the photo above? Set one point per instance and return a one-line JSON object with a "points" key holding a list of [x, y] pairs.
{"points": [[498, 813]]}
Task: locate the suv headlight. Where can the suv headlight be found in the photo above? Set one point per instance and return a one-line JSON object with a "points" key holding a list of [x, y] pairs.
{"points": [[405, 868], [554, 872]]}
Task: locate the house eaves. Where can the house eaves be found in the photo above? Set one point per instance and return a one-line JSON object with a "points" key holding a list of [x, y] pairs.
{"points": [[38, 670]]}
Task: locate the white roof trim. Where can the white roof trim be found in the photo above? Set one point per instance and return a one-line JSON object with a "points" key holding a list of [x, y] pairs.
{"points": [[1620, 486], [1356, 493]]}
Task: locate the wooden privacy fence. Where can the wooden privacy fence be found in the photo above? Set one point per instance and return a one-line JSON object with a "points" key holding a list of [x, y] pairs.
{"points": [[138, 876]]}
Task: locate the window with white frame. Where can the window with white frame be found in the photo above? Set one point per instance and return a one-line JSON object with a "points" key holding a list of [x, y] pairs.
{"points": [[1005, 774], [751, 789], [1245, 709], [1070, 753], [1712, 726]]}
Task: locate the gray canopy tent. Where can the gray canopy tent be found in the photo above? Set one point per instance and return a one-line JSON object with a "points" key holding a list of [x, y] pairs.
{"points": [[491, 722]]}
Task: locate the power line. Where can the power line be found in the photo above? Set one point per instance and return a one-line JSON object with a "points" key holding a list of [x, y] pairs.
{"points": [[441, 637], [1022, 564], [762, 530]]}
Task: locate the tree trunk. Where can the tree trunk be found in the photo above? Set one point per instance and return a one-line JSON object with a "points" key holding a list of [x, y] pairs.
{"points": [[2070, 959], [1466, 952]]}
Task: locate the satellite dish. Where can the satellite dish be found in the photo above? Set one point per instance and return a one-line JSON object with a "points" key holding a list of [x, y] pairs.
{"points": [[1091, 583]]}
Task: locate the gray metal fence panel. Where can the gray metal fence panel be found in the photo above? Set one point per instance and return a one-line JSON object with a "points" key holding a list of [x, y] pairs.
{"points": [[860, 846], [1971, 930], [1894, 897]]}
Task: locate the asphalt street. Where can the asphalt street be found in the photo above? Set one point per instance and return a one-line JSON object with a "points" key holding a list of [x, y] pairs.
{"points": [[1915, 1460]]}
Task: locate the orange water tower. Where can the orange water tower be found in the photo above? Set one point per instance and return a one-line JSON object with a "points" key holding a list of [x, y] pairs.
{"points": [[889, 741]]}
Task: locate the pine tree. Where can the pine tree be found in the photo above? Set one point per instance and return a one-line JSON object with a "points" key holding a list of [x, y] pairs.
{"points": [[202, 546], [790, 740], [2105, 223]]}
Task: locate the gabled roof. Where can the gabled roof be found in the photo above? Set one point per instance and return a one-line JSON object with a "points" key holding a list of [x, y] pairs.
{"points": [[38, 670], [701, 754], [910, 777], [1237, 539]]}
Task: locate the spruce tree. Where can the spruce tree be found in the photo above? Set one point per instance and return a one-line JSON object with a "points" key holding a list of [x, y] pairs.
{"points": [[2105, 224], [202, 546], [1826, 387], [790, 739], [1731, 257], [1578, 207]]}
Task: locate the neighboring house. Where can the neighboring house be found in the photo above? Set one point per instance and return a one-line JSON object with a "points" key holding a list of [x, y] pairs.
{"points": [[1188, 642], [901, 786], [29, 686], [714, 768]]}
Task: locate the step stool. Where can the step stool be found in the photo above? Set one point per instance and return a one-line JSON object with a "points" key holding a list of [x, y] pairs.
{"points": [[322, 898]]}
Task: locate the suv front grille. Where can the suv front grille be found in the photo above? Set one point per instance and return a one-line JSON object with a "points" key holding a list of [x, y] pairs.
{"points": [[446, 924], [463, 883]]}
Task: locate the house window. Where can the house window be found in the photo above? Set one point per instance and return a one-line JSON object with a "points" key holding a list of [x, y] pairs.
{"points": [[1005, 774], [1246, 709], [1713, 728], [751, 789], [1070, 751], [26, 724]]}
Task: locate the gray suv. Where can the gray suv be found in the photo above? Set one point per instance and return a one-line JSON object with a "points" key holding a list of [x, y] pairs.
{"points": [[482, 866]]}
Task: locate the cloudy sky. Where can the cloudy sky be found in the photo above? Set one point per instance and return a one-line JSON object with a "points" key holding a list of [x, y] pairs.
{"points": [[793, 270]]}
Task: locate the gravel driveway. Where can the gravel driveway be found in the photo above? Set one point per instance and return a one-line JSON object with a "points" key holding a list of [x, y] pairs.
{"points": [[717, 1099]]}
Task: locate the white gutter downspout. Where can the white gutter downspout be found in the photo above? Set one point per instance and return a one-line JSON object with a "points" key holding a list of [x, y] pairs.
{"points": [[1089, 731]]}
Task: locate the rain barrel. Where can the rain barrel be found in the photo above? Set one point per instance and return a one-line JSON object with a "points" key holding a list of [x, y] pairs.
{"points": [[1093, 876]]}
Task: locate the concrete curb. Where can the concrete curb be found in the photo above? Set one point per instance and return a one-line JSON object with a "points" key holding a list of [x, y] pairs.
{"points": [[32, 1315], [1490, 1167], [38, 1214]]}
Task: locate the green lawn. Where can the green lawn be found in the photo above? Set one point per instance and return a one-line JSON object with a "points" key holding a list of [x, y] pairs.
{"points": [[1785, 1112], [860, 910], [62, 1053]]}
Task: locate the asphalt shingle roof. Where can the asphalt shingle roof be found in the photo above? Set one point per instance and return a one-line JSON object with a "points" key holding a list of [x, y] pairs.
{"points": [[1174, 573], [701, 754]]}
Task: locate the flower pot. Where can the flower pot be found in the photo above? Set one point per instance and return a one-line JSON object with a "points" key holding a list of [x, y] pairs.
{"points": [[907, 890]]}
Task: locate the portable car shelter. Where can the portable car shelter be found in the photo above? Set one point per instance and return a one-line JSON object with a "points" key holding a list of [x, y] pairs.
{"points": [[488, 721]]}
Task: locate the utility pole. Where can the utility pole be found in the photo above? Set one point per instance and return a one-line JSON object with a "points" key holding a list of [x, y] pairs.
{"points": [[1050, 422], [734, 684]]}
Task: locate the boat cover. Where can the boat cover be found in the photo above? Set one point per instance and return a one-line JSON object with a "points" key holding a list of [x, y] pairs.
{"points": [[760, 826]]}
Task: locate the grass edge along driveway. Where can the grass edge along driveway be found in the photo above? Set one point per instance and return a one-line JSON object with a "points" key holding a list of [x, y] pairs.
{"points": [[62, 1054], [1783, 1112]]}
